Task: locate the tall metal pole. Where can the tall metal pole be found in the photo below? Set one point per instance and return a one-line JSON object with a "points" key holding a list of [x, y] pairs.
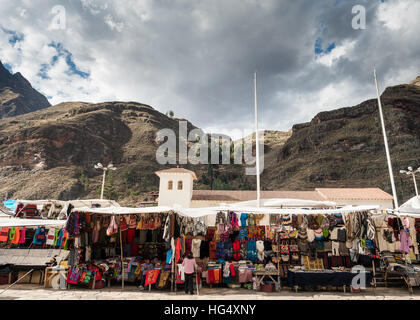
{"points": [[388, 157], [415, 182], [103, 184], [257, 141]]}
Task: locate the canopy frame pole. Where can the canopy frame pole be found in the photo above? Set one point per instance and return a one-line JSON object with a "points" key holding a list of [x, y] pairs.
{"points": [[17, 280], [257, 142], [388, 157], [122, 257]]}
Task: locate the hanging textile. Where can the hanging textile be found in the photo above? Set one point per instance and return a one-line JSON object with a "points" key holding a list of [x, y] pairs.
{"points": [[4, 234]]}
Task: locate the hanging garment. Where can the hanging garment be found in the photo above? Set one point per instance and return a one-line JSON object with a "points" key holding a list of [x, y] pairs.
{"points": [[228, 250], [72, 224], [50, 237], [311, 235], [260, 250], [22, 236], [210, 234], [167, 229], [123, 224], [244, 217], [234, 221], [40, 236], [195, 248], [252, 251], [4, 234], [204, 249], [112, 228], [236, 245], [12, 234], [220, 252], [178, 250], [213, 250], [405, 241], [16, 237]]}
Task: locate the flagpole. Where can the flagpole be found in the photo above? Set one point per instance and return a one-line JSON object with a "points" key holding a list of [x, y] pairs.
{"points": [[257, 141], [388, 157]]}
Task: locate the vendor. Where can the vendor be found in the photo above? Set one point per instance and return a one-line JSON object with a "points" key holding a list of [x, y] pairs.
{"points": [[144, 268]]}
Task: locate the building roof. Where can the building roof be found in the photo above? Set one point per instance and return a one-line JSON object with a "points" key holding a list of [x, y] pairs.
{"points": [[176, 170], [319, 194], [246, 195], [354, 194]]}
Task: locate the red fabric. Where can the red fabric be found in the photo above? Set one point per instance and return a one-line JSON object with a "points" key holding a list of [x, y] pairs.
{"points": [[4, 234], [178, 250], [236, 250], [131, 234], [135, 249], [22, 235], [212, 250], [210, 275], [232, 270], [123, 224], [210, 234], [151, 277]]}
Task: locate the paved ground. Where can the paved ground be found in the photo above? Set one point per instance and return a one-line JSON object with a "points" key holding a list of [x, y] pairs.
{"points": [[36, 292]]}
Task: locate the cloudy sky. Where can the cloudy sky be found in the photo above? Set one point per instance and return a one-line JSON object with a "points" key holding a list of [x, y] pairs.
{"points": [[197, 58]]}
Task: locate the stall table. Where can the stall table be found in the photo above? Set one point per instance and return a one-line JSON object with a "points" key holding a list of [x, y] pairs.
{"points": [[260, 275], [323, 278]]}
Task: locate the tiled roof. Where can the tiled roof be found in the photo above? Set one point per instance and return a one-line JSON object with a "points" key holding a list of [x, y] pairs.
{"points": [[177, 170], [354, 194], [246, 195], [319, 194]]}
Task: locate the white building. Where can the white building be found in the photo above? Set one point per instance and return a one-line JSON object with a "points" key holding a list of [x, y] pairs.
{"points": [[176, 188]]}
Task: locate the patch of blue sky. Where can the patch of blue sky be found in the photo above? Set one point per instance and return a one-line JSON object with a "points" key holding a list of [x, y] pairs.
{"points": [[8, 67], [14, 36], [318, 49], [68, 57]]}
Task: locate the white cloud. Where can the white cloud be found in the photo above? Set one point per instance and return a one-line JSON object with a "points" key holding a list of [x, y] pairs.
{"points": [[328, 59]]}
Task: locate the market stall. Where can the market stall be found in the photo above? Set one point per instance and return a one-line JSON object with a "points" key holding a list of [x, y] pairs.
{"points": [[24, 246]]}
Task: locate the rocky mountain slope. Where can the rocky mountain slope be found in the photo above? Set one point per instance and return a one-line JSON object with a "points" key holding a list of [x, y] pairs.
{"points": [[50, 153], [17, 95], [345, 148]]}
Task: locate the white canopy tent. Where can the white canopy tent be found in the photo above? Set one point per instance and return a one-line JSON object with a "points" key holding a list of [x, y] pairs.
{"points": [[113, 210], [282, 203], [75, 203], [410, 208], [17, 222], [201, 212]]}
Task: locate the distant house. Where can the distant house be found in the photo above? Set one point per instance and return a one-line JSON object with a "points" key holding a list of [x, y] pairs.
{"points": [[176, 187]]}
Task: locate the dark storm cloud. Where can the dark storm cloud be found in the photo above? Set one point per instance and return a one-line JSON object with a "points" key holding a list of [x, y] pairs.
{"points": [[198, 57]]}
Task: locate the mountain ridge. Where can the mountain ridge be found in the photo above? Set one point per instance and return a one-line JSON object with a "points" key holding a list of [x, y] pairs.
{"points": [[50, 153], [17, 96]]}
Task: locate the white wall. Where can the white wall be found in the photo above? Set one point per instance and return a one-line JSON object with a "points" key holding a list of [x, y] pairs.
{"points": [[175, 196]]}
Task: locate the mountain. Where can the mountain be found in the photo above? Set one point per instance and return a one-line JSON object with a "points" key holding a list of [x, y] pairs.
{"points": [[50, 153], [17, 95], [345, 147]]}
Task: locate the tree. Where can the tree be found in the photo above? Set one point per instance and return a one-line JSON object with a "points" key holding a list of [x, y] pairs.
{"points": [[170, 114], [109, 190], [84, 181]]}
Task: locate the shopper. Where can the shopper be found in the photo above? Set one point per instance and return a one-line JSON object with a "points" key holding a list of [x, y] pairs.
{"points": [[144, 268], [189, 265]]}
